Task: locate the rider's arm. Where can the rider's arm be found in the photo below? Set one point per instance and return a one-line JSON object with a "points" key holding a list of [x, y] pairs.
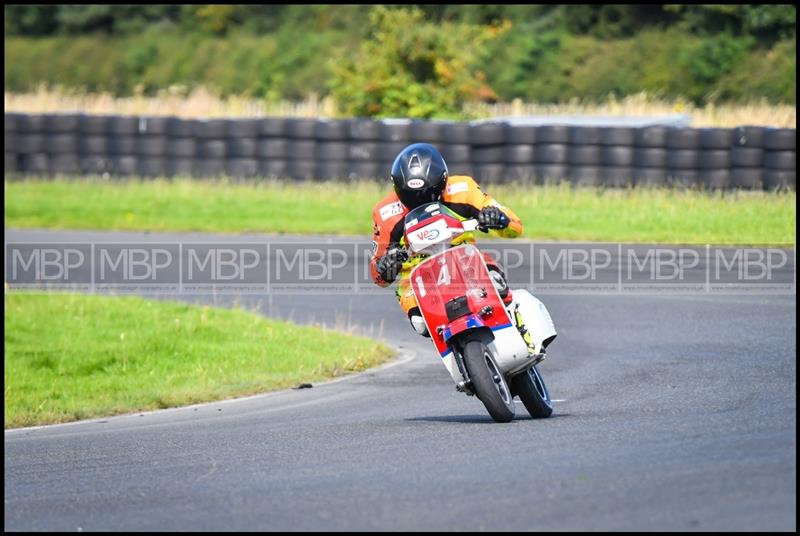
{"points": [[464, 191], [387, 219], [380, 244]]}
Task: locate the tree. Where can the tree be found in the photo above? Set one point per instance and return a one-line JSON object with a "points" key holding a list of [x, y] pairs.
{"points": [[411, 67]]}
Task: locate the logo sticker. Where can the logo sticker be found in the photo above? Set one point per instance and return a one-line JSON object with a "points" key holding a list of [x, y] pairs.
{"points": [[374, 248], [416, 183], [428, 234], [391, 210], [457, 187]]}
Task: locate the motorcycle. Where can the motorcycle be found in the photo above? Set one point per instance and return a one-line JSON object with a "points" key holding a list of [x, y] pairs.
{"points": [[480, 340]]}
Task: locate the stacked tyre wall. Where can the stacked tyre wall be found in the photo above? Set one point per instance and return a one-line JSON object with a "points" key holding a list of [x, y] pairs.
{"points": [[319, 149]]}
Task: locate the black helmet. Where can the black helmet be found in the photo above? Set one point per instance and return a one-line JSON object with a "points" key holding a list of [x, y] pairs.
{"points": [[419, 174]]}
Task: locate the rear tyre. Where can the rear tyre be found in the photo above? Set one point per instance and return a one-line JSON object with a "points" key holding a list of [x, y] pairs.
{"points": [[488, 382], [530, 388]]}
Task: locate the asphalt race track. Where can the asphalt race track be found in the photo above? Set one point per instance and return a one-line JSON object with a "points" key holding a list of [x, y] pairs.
{"points": [[675, 411]]}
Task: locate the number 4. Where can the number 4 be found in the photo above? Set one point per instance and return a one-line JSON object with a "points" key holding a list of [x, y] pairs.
{"points": [[444, 276]]}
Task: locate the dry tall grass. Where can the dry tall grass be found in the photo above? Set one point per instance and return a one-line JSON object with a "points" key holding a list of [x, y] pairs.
{"points": [[202, 103], [174, 101], [710, 115]]}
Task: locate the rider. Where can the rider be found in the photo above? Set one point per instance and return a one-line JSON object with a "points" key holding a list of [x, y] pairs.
{"points": [[420, 176]]}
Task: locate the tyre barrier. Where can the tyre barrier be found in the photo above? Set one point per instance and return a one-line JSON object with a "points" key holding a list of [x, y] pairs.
{"points": [[749, 157]]}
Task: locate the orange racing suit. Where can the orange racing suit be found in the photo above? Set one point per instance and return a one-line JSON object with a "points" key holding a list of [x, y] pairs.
{"points": [[462, 195]]}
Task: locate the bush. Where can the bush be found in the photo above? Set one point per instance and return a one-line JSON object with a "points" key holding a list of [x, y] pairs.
{"points": [[769, 74], [419, 62], [546, 65], [410, 67], [239, 64]]}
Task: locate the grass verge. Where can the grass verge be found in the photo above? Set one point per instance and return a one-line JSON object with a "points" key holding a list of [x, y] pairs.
{"points": [[548, 212], [70, 357]]}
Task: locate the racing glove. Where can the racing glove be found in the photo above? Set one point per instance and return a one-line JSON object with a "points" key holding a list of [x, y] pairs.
{"points": [[492, 218], [390, 264]]}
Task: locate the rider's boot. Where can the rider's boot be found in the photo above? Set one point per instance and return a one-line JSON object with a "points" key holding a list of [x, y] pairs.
{"points": [[499, 280], [417, 322]]}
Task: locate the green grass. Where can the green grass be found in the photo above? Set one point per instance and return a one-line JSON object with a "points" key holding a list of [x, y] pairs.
{"points": [[548, 212], [71, 357]]}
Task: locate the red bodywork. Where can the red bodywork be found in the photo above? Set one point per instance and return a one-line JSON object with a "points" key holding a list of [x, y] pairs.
{"points": [[459, 271]]}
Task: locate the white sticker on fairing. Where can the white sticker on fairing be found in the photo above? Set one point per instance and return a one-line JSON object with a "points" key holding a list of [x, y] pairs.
{"points": [[457, 187], [374, 248], [416, 183], [433, 233], [391, 210]]}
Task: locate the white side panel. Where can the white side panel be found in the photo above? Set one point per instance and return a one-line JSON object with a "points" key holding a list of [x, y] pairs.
{"points": [[514, 350], [536, 316]]}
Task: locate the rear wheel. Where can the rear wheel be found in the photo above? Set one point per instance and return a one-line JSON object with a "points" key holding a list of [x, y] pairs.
{"points": [[530, 388], [488, 382]]}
